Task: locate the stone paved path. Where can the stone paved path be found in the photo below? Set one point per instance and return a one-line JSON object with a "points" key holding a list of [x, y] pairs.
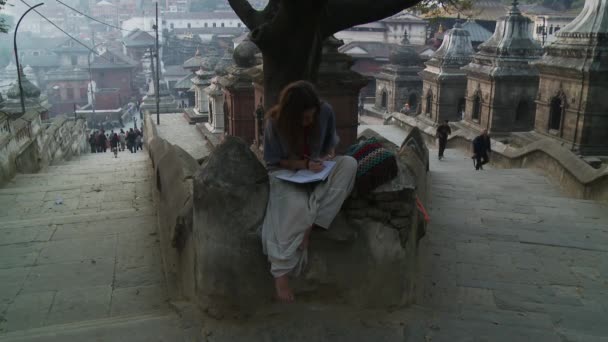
{"points": [[79, 253], [175, 129], [507, 257]]}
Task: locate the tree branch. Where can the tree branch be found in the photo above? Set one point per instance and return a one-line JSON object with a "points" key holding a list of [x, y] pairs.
{"points": [[271, 10], [343, 14], [251, 17]]}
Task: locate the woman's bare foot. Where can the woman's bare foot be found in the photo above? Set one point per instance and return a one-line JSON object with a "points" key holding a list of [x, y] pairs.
{"points": [[306, 240], [284, 292]]}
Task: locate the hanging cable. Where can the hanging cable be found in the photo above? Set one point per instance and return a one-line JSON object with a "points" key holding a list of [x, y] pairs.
{"points": [[67, 34]]}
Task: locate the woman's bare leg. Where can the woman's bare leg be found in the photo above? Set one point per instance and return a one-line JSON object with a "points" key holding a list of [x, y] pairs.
{"points": [[306, 240], [284, 292]]}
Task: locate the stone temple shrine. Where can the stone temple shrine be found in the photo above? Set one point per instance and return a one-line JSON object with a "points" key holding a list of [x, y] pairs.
{"points": [[572, 105], [398, 84], [502, 84], [444, 83]]}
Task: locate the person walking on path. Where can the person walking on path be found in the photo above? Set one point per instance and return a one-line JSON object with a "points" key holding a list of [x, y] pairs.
{"points": [[123, 139], [98, 141], [114, 140], [443, 131], [300, 134], [92, 143], [108, 147], [481, 149], [138, 139], [102, 142], [131, 140]]}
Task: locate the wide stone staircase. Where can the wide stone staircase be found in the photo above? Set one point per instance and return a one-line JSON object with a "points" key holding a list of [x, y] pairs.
{"points": [[79, 255], [507, 257]]}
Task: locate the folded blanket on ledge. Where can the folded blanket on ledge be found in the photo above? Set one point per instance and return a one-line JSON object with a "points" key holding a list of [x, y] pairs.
{"points": [[376, 164]]}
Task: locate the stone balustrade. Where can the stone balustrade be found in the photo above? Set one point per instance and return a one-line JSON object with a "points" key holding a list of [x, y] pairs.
{"points": [[27, 145]]}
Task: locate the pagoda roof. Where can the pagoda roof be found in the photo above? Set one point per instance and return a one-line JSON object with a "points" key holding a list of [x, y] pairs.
{"points": [[185, 82], [138, 38], [194, 62], [404, 17], [70, 46], [112, 60], [456, 49], [372, 50], [477, 32]]}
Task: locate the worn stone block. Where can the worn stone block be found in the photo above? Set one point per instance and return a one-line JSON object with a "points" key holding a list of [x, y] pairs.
{"points": [[401, 223], [355, 203], [377, 214], [363, 262]]}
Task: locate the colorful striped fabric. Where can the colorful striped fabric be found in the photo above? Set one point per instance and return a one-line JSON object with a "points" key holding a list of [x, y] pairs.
{"points": [[377, 165]]}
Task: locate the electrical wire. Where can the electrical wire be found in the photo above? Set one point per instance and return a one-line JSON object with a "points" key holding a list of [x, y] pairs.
{"points": [[67, 34], [97, 20]]}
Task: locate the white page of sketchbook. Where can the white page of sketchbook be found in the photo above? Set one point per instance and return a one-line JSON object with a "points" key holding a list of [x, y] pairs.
{"points": [[306, 176]]}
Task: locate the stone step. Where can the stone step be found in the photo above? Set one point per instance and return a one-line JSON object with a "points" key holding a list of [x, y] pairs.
{"points": [[69, 209], [97, 186], [80, 247], [159, 326], [76, 217], [74, 181], [78, 175], [102, 161]]}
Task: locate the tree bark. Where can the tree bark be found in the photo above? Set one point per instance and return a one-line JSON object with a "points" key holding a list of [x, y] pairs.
{"points": [[290, 33]]}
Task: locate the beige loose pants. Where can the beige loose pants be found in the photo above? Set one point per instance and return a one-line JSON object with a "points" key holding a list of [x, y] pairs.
{"points": [[294, 208]]}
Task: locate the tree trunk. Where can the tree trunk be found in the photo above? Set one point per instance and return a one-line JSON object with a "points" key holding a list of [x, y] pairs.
{"points": [[290, 33], [287, 64], [291, 47]]}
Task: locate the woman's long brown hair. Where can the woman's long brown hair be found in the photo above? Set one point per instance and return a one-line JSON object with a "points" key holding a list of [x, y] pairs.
{"points": [[287, 116]]}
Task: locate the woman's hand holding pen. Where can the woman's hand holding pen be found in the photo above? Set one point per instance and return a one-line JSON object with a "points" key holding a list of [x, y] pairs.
{"points": [[314, 165]]}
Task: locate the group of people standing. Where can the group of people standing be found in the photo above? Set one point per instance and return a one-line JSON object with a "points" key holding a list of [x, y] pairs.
{"points": [[481, 145], [100, 141]]}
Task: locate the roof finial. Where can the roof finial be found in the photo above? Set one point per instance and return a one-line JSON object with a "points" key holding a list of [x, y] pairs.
{"points": [[458, 23], [514, 8]]}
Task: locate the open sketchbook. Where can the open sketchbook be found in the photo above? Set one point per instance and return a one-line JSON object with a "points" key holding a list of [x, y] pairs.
{"points": [[306, 176]]}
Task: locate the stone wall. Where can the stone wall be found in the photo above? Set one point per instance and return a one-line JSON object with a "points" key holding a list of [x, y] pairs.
{"points": [[367, 258], [574, 176], [173, 169], [32, 145], [209, 220]]}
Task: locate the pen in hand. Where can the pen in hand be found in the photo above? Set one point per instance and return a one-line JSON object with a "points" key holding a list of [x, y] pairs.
{"points": [[317, 166], [312, 159]]}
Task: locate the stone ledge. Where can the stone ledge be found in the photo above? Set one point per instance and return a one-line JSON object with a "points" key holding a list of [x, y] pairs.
{"points": [[209, 218], [173, 169], [573, 175], [367, 258], [194, 118], [213, 139]]}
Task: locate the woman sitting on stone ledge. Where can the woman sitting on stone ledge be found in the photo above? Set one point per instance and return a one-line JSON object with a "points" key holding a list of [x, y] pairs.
{"points": [[300, 134]]}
